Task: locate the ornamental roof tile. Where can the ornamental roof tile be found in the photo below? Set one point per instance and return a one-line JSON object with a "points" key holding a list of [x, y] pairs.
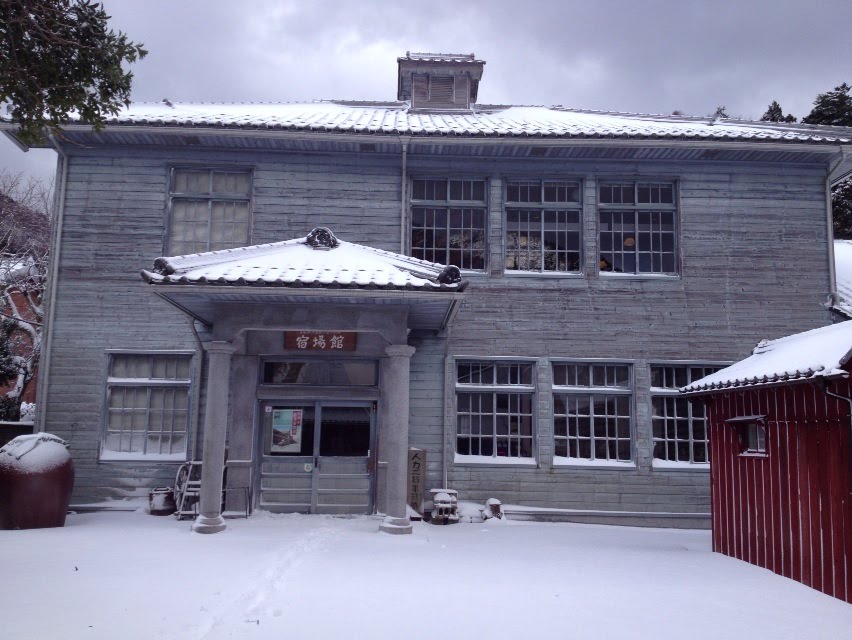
{"points": [[482, 121], [819, 353], [296, 263]]}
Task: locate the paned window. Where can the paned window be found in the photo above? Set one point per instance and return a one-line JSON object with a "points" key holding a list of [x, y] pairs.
{"points": [[680, 426], [592, 411], [147, 406], [543, 226], [448, 218], [755, 439], [751, 433], [494, 409], [209, 209], [638, 227]]}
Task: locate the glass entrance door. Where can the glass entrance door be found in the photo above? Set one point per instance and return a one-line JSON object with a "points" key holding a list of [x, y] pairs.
{"points": [[317, 457]]}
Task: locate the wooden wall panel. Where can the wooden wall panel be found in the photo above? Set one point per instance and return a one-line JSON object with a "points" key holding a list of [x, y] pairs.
{"points": [[732, 292], [790, 511]]}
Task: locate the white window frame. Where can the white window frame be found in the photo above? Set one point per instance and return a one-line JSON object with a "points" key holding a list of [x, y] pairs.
{"points": [[694, 371], [209, 197], [593, 392], [446, 206], [755, 439], [495, 388], [113, 384], [544, 208], [636, 209]]}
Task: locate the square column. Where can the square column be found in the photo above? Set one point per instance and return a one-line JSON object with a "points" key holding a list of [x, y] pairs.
{"points": [[393, 446], [210, 519]]}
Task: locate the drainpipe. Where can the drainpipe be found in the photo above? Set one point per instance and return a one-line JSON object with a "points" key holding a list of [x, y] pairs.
{"points": [[403, 212], [832, 277], [847, 400], [53, 276]]}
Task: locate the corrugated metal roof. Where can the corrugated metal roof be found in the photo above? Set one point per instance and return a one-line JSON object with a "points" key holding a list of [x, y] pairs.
{"points": [[818, 353], [482, 121], [843, 275], [296, 263]]}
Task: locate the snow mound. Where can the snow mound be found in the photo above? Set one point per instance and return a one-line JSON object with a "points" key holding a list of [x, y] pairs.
{"points": [[34, 453]]}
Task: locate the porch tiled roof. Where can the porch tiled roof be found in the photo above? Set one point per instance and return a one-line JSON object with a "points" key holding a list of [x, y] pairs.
{"points": [[482, 121], [818, 353], [295, 263]]}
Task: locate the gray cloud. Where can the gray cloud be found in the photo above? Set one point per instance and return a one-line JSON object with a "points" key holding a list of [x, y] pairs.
{"points": [[653, 56]]}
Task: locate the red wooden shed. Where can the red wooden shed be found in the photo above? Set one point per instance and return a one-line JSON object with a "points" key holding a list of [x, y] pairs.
{"points": [[781, 474]]}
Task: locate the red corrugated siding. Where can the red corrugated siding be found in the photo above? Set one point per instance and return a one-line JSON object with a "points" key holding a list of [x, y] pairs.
{"points": [[790, 511]]}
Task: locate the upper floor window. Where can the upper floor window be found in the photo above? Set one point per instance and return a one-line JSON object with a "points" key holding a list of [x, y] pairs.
{"points": [[147, 406], [494, 408], [209, 209], [543, 227], [680, 426], [592, 417], [448, 221], [638, 227]]}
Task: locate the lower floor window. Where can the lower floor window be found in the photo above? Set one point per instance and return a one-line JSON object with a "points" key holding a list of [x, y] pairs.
{"points": [[494, 408], [592, 426], [495, 424], [592, 415], [147, 405], [680, 426]]}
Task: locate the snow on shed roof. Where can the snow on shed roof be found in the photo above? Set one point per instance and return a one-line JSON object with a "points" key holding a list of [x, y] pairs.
{"points": [[306, 262], [482, 121], [843, 274], [819, 353]]}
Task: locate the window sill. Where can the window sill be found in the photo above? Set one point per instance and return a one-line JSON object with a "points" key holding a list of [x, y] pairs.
{"points": [[753, 454], [668, 465], [115, 456], [582, 463], [543, 274], [640, 276], [494, 461]]}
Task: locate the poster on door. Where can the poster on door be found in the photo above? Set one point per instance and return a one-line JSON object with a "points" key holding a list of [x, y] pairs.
{"points": [[286, 431]]}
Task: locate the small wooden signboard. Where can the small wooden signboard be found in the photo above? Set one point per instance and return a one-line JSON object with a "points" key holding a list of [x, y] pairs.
{"points": [[416, 479], [320, 340]]}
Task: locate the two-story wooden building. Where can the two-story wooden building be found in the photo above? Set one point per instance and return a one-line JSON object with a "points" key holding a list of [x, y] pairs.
{"points": [[603, 261]]}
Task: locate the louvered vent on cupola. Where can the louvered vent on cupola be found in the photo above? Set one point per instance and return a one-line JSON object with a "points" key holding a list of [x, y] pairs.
{"points": [[439, 80]]}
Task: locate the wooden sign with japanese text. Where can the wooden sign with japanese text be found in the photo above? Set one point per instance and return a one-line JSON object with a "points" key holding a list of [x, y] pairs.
{"points": [[320, 340], [416, 479]]}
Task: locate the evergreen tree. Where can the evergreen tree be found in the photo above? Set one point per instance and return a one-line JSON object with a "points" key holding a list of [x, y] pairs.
{"points": [[774, 113], [834, 107], [58, 57]]}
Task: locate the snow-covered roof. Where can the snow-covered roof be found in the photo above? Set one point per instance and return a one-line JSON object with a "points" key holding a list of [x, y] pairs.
{"points": [[306, 262], [482, 121], [441, 57], [819, 353], [843, 275]]}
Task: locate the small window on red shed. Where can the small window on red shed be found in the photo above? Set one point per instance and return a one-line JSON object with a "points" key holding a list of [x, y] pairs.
{"points": [[751, 431]]}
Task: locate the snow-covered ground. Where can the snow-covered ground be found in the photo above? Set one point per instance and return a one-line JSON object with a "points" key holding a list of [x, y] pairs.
{"points": [[132, 575]]}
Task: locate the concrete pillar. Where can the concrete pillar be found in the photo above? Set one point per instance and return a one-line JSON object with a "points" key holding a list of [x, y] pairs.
{"points": [[394, 445], [210, 519]]}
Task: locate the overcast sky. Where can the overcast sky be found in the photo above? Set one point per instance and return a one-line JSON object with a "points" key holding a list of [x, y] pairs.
{"points": [[652, 56]]}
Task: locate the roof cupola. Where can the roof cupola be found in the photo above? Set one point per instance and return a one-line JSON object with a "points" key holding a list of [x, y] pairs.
{"points": [[439, 80]]}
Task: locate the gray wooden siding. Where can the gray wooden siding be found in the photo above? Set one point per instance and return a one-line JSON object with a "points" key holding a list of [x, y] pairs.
{"points": [[754, 265]]}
